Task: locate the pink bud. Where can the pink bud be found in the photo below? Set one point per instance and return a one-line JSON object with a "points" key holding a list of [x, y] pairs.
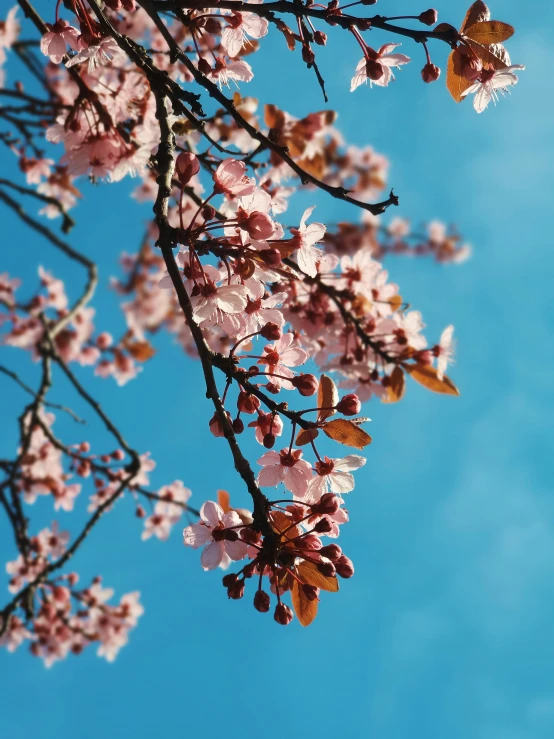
{"points": [[269, 441], [247, 403], [271, 332], [310, 591], [430, 73], [323, 526], [350, 405], [186, 166], [326, 568], [429, 17], [328, 504], [104, 340], [345, 567], [305, 384], [283, 614], [320, 38], [236, 590], [331, 551], [140, 512], [262, 601]]}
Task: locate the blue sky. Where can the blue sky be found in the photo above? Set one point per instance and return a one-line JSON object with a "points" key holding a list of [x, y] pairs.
{"points": [[446, 628]]}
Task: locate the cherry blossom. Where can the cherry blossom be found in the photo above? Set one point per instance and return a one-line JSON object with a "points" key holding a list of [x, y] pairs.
{"points": [[218, 551], [242, 25], [287, 467], [334, 475], [490, 83], [97, 55], [376, 67]]}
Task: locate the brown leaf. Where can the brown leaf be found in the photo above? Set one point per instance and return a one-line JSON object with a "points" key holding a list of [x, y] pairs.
{"points": [[489, 32], [397, 386], [347, 433], [281, 522], [142, 351], [427, 376], [273, 117], [327, 397], [287, 33], [308, 573], [493, 55], [455, 81], [224, 500], [477, 13], [304, 436], [306, 610], [395, 302]]}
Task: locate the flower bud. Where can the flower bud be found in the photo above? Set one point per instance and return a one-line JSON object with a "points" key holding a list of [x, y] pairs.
{"points": [[269, 441], [323, 526], [344, 566], [320, 38], [186, 166], [430, 73], [238, 426], [229, 579], [104, 340], [307, 54], [140, 512], [350, 405], [204, 66], [429, 17], [262, 601], [283, 614], [309, 541], [272, 387], [271, 332], [236, 590], [328, 504], [272, 257], [326, 568], [247, 403], [305, 384], [310, 591], [331, 551]]}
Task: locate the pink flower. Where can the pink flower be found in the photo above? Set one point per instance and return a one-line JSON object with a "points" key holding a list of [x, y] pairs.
{"points": [[376, 66], [53, 43], [334, 475], [212, 301], [230, 178], [444, 351], [491, 82], [218, 551], [9, 29], [97, 55], [240, 25], [226, 71], [281, 355], [295, 473], [308, 255]]}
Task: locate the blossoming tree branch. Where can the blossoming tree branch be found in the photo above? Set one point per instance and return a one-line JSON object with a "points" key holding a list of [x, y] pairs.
{"points": [[295, 325]]}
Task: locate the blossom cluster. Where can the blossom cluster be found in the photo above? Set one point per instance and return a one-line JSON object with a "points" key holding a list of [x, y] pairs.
{"points": [[295, 320]]}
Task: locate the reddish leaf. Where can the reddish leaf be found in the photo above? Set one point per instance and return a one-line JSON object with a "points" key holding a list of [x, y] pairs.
{"points": [[477, 13], [493, 55], [442, 27], [224, 500], [308, 573], [142, 351], [427, 376], [489, 32], [346, 432], [287, 33], [455, 81], [397, 386], [327, 397], [281, 522], [396, 302], [304, 436], [306, 610]]}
